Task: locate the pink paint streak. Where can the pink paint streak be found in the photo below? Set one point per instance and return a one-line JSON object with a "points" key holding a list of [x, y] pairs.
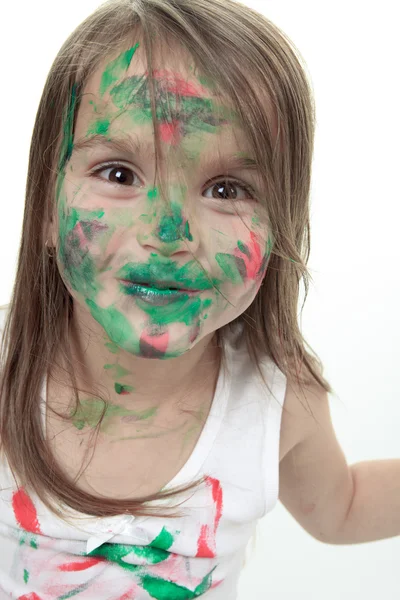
{"points": [[171, 133], [25, 511], [159, 342], [175, 84], [206, 546], [253, 263]]}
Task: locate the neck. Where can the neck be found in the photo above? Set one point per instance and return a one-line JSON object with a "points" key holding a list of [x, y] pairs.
{"points": [[133, 380]]}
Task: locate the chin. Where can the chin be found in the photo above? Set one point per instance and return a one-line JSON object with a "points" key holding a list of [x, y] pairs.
{"points": [[168, 341]]}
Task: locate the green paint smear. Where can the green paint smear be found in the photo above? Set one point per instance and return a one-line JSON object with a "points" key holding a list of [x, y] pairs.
{"points": [[164, 540], [117, 370], [172, 227], [115, 69], [26, 576], [117, 327], [99, 127], [165, 590], [120, 388], [112, 347], [74, 592], [90, 410], [117, 552], [185, 310], [191, 274], [152, 194], [228, 264], [195, 113]]}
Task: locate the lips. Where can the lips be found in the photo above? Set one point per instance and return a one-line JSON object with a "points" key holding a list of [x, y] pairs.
{"points": [[156, 296], [160, 285]]}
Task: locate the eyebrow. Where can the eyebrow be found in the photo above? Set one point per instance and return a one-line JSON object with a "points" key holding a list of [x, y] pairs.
{"points": [[129, 145]]}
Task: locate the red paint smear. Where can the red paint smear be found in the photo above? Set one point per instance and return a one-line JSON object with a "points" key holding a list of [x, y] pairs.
{"points": [[81, 566], [31, 596], [206, 547], [25, 511], [175, 84], [253, 263], [128, 595], [159, 342], [170, 133], [78, 230]]}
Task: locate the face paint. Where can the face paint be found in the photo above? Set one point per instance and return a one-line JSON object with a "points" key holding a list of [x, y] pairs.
{"points": [[154, 281]]}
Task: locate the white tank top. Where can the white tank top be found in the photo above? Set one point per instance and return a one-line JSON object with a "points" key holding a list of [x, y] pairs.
{"points": [[142, 558]]}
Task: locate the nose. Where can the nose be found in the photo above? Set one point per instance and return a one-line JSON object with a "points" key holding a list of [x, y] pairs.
{"points": [[170, 233]]}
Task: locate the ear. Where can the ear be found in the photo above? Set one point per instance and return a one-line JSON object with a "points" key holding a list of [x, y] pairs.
{"points": [[51, 234]]}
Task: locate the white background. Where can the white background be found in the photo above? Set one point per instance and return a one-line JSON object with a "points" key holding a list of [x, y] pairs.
{"points": [[351, 317]]}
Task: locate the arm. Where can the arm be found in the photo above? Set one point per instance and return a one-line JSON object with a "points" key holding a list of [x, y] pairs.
{"points": [[315, 481], [374, 513], [333, 502]]}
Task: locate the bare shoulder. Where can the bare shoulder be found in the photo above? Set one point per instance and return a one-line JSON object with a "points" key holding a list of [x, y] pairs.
{"points": [[304, 408]]}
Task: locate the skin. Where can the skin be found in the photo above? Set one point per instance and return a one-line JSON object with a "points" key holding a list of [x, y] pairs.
{"points": [[114, 224]]}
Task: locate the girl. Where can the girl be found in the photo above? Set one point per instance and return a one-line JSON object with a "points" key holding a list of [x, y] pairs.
{"points": [[153, 322]]}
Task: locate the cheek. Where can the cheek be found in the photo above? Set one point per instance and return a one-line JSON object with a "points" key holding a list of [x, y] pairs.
{"points": [[246, 261]]}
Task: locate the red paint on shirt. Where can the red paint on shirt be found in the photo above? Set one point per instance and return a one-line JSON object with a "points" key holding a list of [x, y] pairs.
{"points": [[25, 511]]}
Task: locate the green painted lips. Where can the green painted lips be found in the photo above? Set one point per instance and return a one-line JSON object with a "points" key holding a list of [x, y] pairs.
{"points": [[159, 274], [155, 295]]}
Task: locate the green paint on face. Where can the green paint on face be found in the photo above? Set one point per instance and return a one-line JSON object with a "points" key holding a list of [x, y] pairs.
{"points": [[117, 327], [189, 275], [99, 127], [244, 249], [115, 69], [26, 576], [229, 266], [172, 227], [152, 194], [146, 218], [187, 233], [194, 113], [185, 310]]}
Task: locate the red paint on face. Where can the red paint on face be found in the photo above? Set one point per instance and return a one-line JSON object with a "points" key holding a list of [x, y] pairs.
{"points": [[25, 511], [175, 84], [171, 133], [31, 596], [253, 263], [206, 545], [159, 342]]}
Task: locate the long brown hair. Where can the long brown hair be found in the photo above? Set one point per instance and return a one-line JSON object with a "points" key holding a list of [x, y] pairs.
{"points": [[243, 53]]}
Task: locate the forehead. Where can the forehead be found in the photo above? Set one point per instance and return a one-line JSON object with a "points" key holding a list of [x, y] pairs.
{"points": [[116, 99]]}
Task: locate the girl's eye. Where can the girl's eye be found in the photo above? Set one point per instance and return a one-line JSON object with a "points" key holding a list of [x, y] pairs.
{"points": [[221, 190], [119, 174], [225, 190]]}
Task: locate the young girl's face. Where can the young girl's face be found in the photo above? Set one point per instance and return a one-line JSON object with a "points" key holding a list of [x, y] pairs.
{"points": [[159, 276]]}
